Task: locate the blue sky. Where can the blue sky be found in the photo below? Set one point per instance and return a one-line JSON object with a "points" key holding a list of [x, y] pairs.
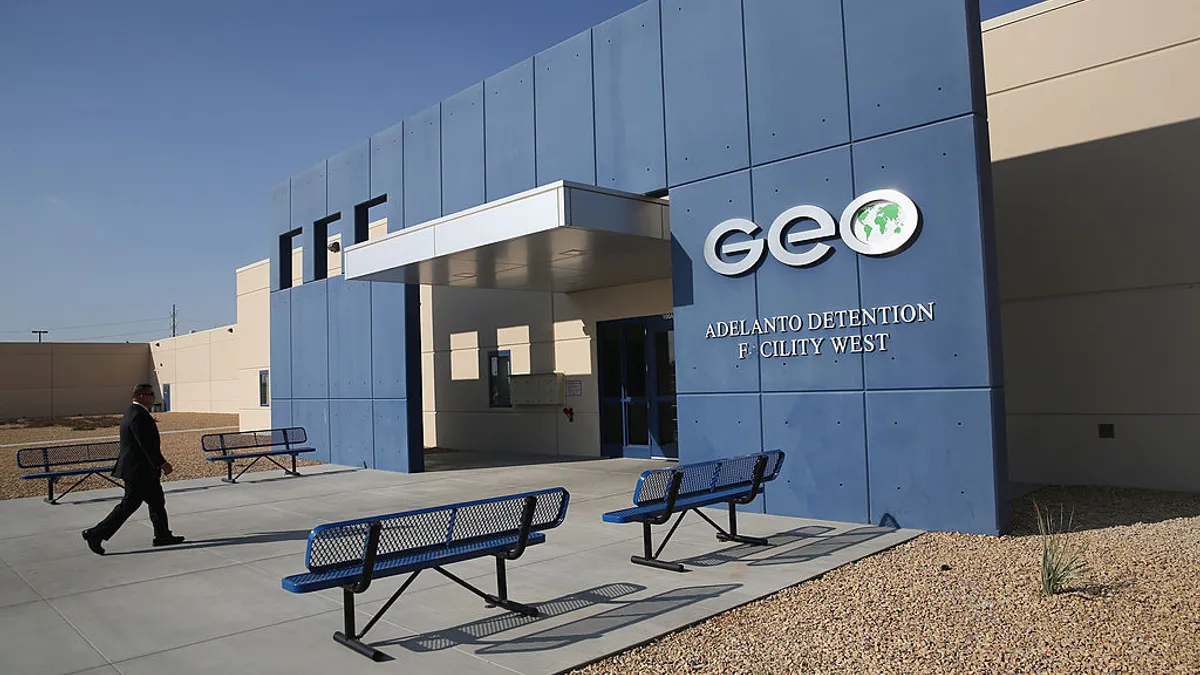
{"points": [[138, 139]]}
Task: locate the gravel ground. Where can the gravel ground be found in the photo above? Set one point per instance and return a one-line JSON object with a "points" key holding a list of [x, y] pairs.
{"points": [[182, 450], [955, 603]]}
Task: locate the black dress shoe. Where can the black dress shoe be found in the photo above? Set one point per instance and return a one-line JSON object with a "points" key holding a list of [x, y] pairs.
{"points": [[169, 540], [93, 542]]}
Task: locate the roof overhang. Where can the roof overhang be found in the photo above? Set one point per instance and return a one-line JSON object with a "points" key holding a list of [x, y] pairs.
{"points": [[563, 237]]}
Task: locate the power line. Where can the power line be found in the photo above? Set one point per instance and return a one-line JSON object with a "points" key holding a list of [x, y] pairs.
{"points": [[148, 331], [93, 325]]}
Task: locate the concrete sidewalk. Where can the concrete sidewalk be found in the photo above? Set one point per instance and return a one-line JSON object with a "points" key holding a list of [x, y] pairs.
{"points": [[214, 604]]}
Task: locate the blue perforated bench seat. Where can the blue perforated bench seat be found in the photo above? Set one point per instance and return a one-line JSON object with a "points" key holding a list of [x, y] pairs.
{"points": [[61, 461], [392, 565], [69, 472], [662, 493], [639, 514], [277, 443], [265, 453], [351, 554]]}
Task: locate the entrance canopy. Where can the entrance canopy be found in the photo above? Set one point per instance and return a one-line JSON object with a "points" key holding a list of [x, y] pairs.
{"points": [[561, 237]]}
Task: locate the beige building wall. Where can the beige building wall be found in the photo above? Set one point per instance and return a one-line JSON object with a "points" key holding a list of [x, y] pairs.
{"points": [[1095, 136], [253, 340], [62, 379], [543, 333], [201, 369]]}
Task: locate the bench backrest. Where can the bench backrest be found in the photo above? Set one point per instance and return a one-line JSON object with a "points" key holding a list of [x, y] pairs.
{"points": [[342, 545], [705, 477], [263, 438], [59, 455]]}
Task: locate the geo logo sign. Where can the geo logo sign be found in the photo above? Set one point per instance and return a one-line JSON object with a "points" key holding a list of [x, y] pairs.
{"points": [[877, 223]]}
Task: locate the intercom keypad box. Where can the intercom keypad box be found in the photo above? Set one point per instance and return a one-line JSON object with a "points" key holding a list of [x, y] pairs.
{"points": [[537, 389]]}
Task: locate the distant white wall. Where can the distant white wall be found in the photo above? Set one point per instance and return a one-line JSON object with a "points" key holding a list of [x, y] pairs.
{"points": [[201, 369]]}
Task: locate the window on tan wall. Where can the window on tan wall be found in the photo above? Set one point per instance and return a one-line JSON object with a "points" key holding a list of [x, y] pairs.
{"points": [[264, 388]]}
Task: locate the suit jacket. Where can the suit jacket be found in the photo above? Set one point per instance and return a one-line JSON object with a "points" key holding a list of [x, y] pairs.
{"points": [[141, 454]]}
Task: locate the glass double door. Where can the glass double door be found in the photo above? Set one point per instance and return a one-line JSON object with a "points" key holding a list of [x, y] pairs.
{"points": [[636, 359]]}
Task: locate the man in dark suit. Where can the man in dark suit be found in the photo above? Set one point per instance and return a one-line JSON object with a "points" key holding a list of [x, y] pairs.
{"points": [[139, 464]]}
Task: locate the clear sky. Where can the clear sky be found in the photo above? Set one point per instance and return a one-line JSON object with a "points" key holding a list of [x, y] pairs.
{"points": [[139, 138]]}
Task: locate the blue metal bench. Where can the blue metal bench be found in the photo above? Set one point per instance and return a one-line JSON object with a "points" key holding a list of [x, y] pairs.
{"points": [[244, 445], [352, 553], [688, 487], [60, 461]]}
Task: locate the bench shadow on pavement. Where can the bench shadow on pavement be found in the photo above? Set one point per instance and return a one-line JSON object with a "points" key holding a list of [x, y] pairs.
{"points": [[823, 546], [739, 552], [244, 482], [256, 538], [623, 613]]}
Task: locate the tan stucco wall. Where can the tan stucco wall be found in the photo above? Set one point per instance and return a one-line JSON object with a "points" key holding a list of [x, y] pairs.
{"points": [[202, 369], [1095, 129], [544, 333], [253, 338], [59, 379]]}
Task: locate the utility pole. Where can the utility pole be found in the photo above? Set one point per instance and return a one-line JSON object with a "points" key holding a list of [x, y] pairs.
{"points": [[173, 314], [40, 333]]}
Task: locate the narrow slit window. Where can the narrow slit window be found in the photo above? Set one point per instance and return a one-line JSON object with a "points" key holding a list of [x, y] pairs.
{"points": [[264, 388], [499, 383]]}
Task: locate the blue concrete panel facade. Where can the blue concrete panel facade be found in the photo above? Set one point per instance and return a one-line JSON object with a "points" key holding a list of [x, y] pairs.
{"points": [[923, 451], [744, 110], [281, 346], [462, 150], [704, 365], [422, 167], [564, 112], [281, 413], [351, 433], [824, 179], [395, 447], [395, 317], [387, 172], [508, 131], [309, 204], [631, 141], [349, 338], [935, 166], [314, 417], [739, 433], [704, 81], [349, 185], [746, 333], [816, 482], [795, 77], [935, 76], [280, 216], [310, 341]]}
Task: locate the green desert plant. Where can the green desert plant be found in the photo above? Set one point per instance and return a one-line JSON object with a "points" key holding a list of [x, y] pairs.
{"points": [[1062, 557]]}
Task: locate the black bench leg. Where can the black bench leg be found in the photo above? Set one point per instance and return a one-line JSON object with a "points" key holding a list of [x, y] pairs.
{"points": [[501, 597], [732, 534], [50, 491], [651, 558], [493, 600], [348, 637], [228, 472]]}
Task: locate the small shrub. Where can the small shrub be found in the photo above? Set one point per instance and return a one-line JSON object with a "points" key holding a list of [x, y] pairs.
{"points": [[1062, 558]]}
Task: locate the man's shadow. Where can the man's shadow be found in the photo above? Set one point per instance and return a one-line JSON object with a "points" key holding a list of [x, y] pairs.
{"points": [[256, 538]]}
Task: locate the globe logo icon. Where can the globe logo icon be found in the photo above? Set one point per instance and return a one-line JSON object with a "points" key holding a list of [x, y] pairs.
{"points": [[879, 219], [879, 222]]}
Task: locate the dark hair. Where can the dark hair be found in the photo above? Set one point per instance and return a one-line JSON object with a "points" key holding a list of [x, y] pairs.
{"points": [[143, 389]]}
